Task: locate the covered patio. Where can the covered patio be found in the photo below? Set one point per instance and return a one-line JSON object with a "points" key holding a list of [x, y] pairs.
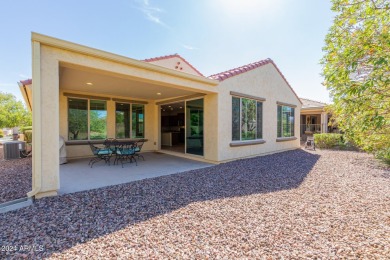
{"points": [[87, 95], [313, 119], [77, 175]]}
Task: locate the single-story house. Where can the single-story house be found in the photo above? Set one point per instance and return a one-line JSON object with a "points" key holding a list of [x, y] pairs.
{"points": [[314, 118], [84, 94]]}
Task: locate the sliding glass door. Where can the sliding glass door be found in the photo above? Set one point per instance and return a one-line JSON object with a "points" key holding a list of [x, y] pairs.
{"points": [[194, 127]]}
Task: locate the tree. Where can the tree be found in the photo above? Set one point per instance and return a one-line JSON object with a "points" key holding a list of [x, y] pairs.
{"points": [[12, 112], [78, 123], [356, 68]]}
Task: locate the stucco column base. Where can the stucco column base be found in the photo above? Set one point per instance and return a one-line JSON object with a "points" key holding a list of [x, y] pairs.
{"points": [[41, 195]]}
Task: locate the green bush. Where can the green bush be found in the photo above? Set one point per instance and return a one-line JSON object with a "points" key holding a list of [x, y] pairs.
{"points": [[28, 136], [384, 155], [27, 131], [1, 133], [327, 141], [25, 128]]}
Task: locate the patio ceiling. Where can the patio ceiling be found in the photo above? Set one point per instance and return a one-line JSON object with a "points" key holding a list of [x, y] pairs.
{"points": [[75, 78]]}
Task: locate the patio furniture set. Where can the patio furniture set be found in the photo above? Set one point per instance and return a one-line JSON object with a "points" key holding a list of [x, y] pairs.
{"points": [[124, 151]]}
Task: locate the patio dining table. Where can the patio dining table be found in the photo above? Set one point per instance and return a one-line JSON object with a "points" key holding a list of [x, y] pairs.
{"points": [[123, 149]]}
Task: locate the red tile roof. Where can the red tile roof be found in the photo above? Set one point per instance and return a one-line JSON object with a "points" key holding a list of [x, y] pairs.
{"points": [[26, 82], [173, 56], [233, 72], [309, 103], [251, 66]]}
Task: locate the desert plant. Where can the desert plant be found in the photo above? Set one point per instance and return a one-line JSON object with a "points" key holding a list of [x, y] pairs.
{"points": [[327, 140], [28, 136]]}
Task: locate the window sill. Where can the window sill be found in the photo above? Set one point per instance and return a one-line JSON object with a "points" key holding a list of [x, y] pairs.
{"points": [[82, 142], [243, 143], [86, 142], [284, 139]]}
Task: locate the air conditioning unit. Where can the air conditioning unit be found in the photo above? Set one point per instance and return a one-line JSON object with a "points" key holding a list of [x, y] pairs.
{"points": [[12, 149]]}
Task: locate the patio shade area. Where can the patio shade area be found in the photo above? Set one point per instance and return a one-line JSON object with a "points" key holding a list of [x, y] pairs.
{"points": [[78, 176]]}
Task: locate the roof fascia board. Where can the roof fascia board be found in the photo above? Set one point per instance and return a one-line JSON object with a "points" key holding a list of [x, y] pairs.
{"points": [[74, 47]]}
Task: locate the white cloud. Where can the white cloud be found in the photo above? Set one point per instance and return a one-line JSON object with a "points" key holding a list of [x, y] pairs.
{"points": [[152, 13], [188, 47]]}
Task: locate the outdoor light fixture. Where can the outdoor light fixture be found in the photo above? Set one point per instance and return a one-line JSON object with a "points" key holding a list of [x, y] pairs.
{"points": [[158, 94], [89, 83]]}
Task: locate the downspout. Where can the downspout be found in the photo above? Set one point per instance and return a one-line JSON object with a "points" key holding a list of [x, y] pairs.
{"points": [[37, 137]]}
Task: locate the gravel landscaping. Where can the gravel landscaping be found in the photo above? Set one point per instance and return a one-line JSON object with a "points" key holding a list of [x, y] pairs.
{"points": [[296, 204], [15, 178]]}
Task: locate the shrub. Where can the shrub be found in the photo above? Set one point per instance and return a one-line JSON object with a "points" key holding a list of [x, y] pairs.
{"points": [[384, 155], [327, 141], [25, 128], [27, 131], [1, 133], [28, 136]]}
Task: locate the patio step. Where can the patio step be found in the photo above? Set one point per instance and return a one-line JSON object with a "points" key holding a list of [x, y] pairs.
{"points": [[15, 204]]}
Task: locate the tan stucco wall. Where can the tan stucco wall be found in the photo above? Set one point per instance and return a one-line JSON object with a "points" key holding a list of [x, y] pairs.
{"points": [[175, 63], [211, 127], [264, 82], [50, 109], [45, 177]]}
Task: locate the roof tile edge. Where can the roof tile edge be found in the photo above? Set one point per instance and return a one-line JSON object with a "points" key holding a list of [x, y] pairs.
{"points": [[251, 66], [173, 56]]}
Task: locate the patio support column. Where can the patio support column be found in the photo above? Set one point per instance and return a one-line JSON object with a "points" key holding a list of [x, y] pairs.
{"points": [[45, 161], [324, 122], [211, 127]]}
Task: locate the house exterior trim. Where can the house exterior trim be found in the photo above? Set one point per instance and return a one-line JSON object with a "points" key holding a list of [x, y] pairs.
{"points": [[173, 100], [66, 94], [132, 101], [284, 139], [243, 143], [74, 47], [237, 94], [286, 104]]}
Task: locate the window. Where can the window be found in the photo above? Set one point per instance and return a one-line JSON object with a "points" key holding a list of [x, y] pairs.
{"points": [[122, 120], [286, 120], [129, 120], [247, 115], [87, 119], [137, 121]]}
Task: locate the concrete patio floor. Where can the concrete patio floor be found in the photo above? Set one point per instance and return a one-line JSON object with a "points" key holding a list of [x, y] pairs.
{"points": [[77, 175]]}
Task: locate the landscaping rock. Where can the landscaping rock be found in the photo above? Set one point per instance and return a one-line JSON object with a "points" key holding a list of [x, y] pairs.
{"points": [[292, 205], [15, 178]]}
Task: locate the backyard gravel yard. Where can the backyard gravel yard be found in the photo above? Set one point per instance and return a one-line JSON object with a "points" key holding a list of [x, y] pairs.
{"points": [[296, 204], [15, 178]]}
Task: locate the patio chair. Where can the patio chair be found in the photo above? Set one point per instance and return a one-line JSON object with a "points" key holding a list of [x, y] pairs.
{"points": [[138, 148], [310, 143], [99, 154], [112, 144], [125, 154]]}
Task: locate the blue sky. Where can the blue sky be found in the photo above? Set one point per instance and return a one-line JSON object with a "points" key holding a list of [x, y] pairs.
{"points": [[213, 35]]}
